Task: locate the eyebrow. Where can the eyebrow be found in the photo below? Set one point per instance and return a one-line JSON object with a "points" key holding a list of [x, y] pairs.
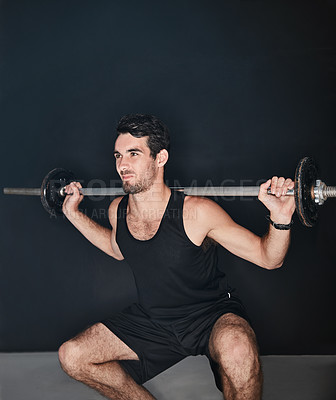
{"points": [[136, 149]]}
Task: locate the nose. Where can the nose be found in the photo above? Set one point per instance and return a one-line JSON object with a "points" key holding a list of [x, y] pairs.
{"points": [[122, 164]]}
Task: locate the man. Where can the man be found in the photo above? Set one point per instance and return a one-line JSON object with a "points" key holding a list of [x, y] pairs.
{"points": [[185, 306]]}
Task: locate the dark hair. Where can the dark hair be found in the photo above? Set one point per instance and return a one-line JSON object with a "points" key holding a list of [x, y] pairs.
{"points": [[140, 125]]}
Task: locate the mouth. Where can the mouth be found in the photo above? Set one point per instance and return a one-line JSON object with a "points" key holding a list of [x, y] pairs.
{"points": [[127, 177]]}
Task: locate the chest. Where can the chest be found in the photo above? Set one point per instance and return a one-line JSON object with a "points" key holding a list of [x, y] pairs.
{"points": [[143, 230]]}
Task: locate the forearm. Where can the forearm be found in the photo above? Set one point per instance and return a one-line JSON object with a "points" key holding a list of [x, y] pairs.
{"points": [[274, 247], [98, 235], [275, 243]]}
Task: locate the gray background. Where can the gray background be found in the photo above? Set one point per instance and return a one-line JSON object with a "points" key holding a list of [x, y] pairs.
{"points": [[247, 88]]}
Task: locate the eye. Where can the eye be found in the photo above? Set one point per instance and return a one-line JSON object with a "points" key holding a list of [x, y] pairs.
{"points": [[117, 155], [133, 154]]}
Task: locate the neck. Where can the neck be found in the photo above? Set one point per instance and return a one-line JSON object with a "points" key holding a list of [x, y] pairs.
{"points": [[155, 198]]}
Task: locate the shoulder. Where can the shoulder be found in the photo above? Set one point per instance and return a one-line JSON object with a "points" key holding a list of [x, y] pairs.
{"points": [[203, 205], [197, 202], [112, 211], [115, 203], [206, 211]]}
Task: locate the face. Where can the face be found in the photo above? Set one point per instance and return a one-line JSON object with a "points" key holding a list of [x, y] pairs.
{"points": [[137, 169]]}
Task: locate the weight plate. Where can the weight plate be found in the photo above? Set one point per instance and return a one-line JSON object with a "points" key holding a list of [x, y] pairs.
{"points": [[305, 180], [52, 201]]}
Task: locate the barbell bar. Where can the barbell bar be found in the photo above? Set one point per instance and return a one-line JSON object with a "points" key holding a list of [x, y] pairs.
{"points": [[212, 191], [309, 191]]}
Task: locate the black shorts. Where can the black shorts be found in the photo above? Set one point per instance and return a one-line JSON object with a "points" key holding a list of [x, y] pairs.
{"points": [[160, 346]]}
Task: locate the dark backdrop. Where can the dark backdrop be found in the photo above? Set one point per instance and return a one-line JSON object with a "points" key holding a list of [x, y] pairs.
{"points": [[247, 89]]}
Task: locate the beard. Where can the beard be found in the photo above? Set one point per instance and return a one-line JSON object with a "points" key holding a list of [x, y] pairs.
{"points": [[143, 184]]}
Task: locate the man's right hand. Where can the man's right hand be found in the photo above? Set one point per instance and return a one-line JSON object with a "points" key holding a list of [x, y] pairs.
{"points": [[71, 203]]}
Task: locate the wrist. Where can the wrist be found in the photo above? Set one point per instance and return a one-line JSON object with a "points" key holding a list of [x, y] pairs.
{"points": [[71, 213], [279, 226], [281, 219]]}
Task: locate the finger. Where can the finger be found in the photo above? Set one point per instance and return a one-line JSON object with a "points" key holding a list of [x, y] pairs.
{"points": [[78, 186], [72, 190], [263, 187], [274, 183], [67, 189], [289, 183], [280, 190]]}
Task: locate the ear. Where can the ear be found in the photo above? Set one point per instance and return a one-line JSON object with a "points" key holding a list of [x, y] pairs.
{"points": [[162, 157]]}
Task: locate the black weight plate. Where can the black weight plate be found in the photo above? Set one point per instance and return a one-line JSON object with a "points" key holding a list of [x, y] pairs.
{"points": [[52, 201], [305, 179]]}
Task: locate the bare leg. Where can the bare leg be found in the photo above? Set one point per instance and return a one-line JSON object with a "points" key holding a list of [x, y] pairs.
{"points": [[233, 347], [113, 382], [92, 358]]}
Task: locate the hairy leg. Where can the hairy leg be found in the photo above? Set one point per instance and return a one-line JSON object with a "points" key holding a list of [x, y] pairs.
{"points": [[92, 358], [233, 347]]}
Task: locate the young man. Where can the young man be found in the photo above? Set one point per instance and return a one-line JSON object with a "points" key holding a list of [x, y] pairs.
{"points": [[184, 304]]}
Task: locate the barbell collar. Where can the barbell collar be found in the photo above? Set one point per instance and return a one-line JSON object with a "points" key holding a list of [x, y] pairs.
{"points": [[322, 192]]}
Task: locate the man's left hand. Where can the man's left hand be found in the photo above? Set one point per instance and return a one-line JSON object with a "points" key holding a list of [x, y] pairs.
{"points": [[281, 207]]}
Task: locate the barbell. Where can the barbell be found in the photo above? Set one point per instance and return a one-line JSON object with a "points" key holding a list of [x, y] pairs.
{"points": [[309, 191]]}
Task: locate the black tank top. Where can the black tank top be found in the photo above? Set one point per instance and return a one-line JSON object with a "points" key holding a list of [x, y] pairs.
{"points": [[173, 276]]}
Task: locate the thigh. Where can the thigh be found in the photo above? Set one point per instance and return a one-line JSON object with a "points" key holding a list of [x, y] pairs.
{"points": [[98, 345], [155, 344]]}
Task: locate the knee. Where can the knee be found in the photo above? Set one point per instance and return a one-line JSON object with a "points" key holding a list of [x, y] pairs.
{"points": [[69, 356], [238, 348], [74, 361], [235, 345]]}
